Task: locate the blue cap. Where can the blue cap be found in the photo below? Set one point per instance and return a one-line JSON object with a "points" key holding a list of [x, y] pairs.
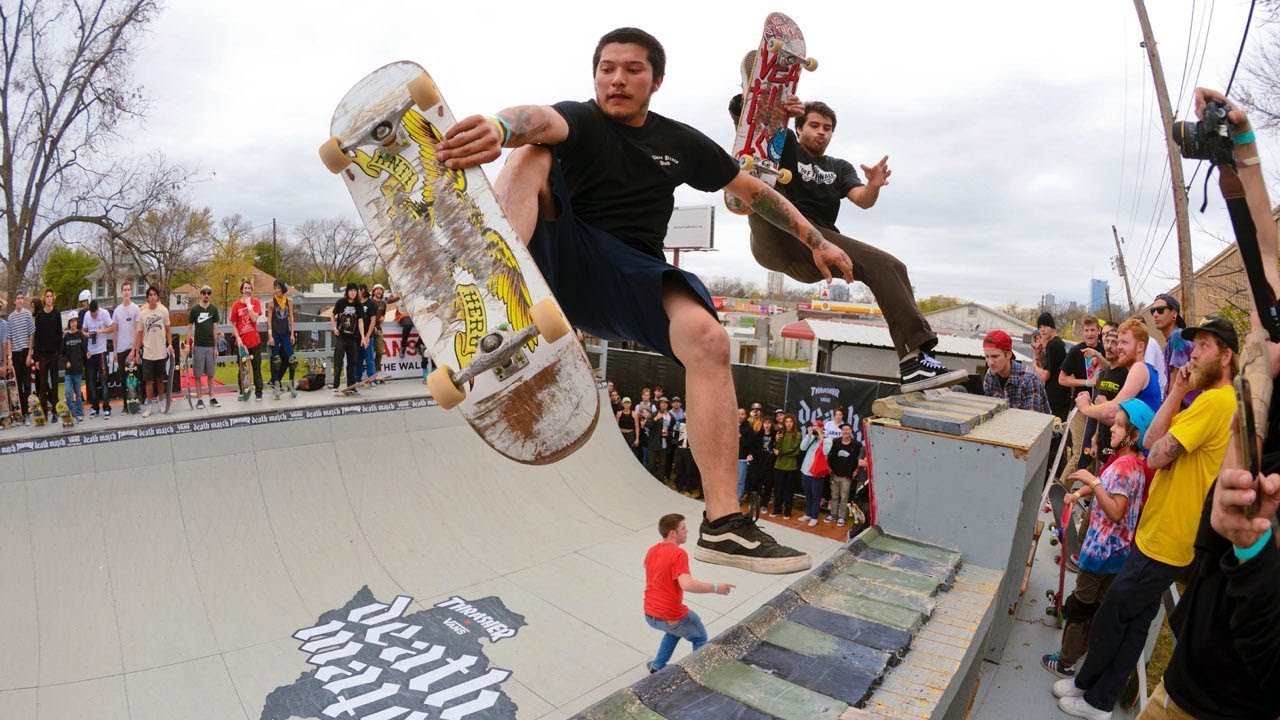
{"points": [[1140, 416]]}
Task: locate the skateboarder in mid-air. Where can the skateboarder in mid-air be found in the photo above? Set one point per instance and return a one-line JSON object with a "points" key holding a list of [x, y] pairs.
{"points": [[819, 183], [590, 189]]}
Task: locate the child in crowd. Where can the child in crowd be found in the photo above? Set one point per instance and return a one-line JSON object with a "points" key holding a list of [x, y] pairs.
{"points": [[1117, 504], [74, 356]]}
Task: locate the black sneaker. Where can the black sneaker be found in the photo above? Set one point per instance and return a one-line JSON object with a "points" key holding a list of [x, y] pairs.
{"points": [[213, 402], [735, 540], [1053, 664], [923, 372]]}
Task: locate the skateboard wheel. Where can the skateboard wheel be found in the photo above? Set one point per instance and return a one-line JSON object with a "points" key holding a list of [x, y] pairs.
{"points": [[747, 162], [1050, 611], [547, 318], [775, 44], [332, 156], [423, 91], [440, 384], [784, 176], [811, 64]]}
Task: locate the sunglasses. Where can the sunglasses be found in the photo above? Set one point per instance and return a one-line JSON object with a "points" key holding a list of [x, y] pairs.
{"points": [[1160, 310], [202, 292]]}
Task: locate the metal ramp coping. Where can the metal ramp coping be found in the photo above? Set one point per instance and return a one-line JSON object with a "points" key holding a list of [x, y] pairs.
{"points": [[887, 628]]}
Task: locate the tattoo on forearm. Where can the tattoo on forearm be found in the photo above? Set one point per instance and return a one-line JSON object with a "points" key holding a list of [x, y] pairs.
{"points": [[1167, 450], [526, 125], [771, 207]]}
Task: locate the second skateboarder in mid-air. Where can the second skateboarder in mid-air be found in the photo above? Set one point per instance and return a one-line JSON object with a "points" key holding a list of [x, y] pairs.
{"points": [[590, 189]]}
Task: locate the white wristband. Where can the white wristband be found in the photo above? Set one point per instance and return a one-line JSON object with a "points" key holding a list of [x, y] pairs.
{"points": [[715, 588], [1255, 160]]}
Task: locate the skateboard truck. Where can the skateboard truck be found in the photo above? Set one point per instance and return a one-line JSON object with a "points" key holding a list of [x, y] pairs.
{"points": [[499, 352], [776, 45], [748, 164], [422, 93]]}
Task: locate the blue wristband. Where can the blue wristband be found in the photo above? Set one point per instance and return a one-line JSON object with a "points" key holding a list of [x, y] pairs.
{"points": [[1244, 138], [1244, 555]]}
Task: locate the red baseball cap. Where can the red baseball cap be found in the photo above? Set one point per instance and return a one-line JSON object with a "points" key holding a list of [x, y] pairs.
{"points": [[999, 340]]}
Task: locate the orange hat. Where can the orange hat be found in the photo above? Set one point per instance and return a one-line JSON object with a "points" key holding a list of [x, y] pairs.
{"points": [[999, 340]]}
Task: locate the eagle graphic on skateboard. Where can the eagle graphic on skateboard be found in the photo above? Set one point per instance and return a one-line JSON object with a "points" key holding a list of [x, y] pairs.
{"points": [[505, 355]]}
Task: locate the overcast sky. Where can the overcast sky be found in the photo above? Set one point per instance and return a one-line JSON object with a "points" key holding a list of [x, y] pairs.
{"points": [[1016, 131]]}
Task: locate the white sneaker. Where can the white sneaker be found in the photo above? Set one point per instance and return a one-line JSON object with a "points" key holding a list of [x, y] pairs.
{"points": [[830, 518], [1077, 706], [805, 518], [147, 412], [813, 522], [1066, 687], [840, 522]]}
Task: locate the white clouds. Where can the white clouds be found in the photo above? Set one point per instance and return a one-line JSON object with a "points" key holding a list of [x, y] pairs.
{"points": [[1004, 122]]}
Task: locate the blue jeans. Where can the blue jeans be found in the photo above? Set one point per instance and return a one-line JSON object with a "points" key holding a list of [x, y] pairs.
{"points": [[74, 397], [812, 494], [742, 477], [690, 628]]}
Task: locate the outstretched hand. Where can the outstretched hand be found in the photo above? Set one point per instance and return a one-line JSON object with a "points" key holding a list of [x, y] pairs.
{"points": [[878, 174], [828, 257], [470, 142]]}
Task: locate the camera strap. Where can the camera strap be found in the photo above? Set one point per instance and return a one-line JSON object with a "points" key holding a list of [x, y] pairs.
{"points": [[1247, 242]]}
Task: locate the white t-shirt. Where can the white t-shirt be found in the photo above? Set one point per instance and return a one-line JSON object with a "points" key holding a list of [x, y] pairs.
{"points": [[1155, 356], [126, 319], [97, 324]]}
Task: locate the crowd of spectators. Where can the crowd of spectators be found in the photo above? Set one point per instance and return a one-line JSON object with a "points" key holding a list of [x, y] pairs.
{"points": [[823, 465]]}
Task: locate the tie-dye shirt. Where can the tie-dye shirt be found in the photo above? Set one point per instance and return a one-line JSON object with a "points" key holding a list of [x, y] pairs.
{"points": [[1177, 352], [1107, 543]]}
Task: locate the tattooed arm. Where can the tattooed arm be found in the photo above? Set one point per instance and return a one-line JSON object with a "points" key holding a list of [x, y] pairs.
{"points": [[777, 210], [1164, 452], [477, 139]]}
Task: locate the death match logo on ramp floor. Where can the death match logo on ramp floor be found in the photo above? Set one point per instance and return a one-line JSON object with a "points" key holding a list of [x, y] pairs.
{"points": [[373, 662]]}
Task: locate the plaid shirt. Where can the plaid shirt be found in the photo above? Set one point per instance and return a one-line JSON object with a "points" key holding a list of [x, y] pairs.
{"points": [[1024, 389]]}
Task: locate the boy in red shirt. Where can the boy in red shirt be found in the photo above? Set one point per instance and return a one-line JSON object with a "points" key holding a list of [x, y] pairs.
{"points": [[667, 578], [244, 318]]}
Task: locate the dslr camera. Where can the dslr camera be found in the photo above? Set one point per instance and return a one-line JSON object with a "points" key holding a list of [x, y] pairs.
{"points": [[1210, 139]]}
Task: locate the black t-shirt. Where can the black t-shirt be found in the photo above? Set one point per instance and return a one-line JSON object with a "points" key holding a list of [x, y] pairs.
{"points": [[1055, 352], [48, 335], [371, 311], [817, 184], [843, 459], [622, 179], [1110, 382], [347, 316], [1075, 365]]}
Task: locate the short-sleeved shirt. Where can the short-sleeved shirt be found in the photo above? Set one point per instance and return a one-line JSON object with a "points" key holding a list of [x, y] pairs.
{"points": [[1107, 543], [155, 341], [97, 324], [1076, 365], [21, 326], [1167, 532], [818, 184], [370, 314], [663, 596], [205, 324], [126, 319], [347, 316], [1177, 353], [1110, 381], [622, 179], [1155, 358], [247, 327], [1055, 352]]}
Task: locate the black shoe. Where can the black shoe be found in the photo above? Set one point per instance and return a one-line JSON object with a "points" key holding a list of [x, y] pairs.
{"points": [[735, 540], [923, 372]]}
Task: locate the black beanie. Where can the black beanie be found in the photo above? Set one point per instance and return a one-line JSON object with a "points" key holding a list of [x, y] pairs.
{"points": [[1046, 319]]}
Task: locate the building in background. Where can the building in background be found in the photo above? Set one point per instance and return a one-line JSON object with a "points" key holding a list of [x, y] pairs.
{"points": [[1097, 295]]}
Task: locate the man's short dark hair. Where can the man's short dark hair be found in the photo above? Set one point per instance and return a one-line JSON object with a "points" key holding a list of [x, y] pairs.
{"points": [[817, 106], [634, 36], [153, 289], [668, 523]]}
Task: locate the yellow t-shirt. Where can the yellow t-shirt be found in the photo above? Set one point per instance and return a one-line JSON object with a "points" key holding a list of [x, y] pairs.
{"points": [[1171, 516]]}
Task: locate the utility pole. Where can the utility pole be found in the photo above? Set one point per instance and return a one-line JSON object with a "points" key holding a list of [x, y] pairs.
{"points": [[1175, 167], [1120, 268], [275, 251]]}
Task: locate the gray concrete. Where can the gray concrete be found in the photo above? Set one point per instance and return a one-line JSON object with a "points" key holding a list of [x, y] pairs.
{"points": [[164, 577]]}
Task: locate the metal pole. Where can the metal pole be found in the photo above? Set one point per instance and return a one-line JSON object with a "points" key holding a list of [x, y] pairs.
{"points": [[275, 251], [1175, 167], [1124, 272]]}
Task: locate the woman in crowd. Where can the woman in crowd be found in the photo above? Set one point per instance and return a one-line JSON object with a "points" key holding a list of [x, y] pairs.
{"points": [[786, 466], [628, 424], [760, 473], [813, 479]]}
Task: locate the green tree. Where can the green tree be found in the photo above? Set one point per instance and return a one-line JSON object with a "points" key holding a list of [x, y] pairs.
{"points": [[933, 303], [67, 272]]}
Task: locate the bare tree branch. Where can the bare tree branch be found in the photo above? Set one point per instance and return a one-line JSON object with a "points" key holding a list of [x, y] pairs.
{"points": [[335, 247]]}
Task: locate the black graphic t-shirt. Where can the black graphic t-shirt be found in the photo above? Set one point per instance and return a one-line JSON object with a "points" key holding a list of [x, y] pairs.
{"points": [[1076, 365], [1110, 382], [205, 322], [347, 316], [279, 316], [622, 179], [817, 184]]}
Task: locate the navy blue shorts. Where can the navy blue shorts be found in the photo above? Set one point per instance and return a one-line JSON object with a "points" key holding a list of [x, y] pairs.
{"points": [[606, 287]]}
